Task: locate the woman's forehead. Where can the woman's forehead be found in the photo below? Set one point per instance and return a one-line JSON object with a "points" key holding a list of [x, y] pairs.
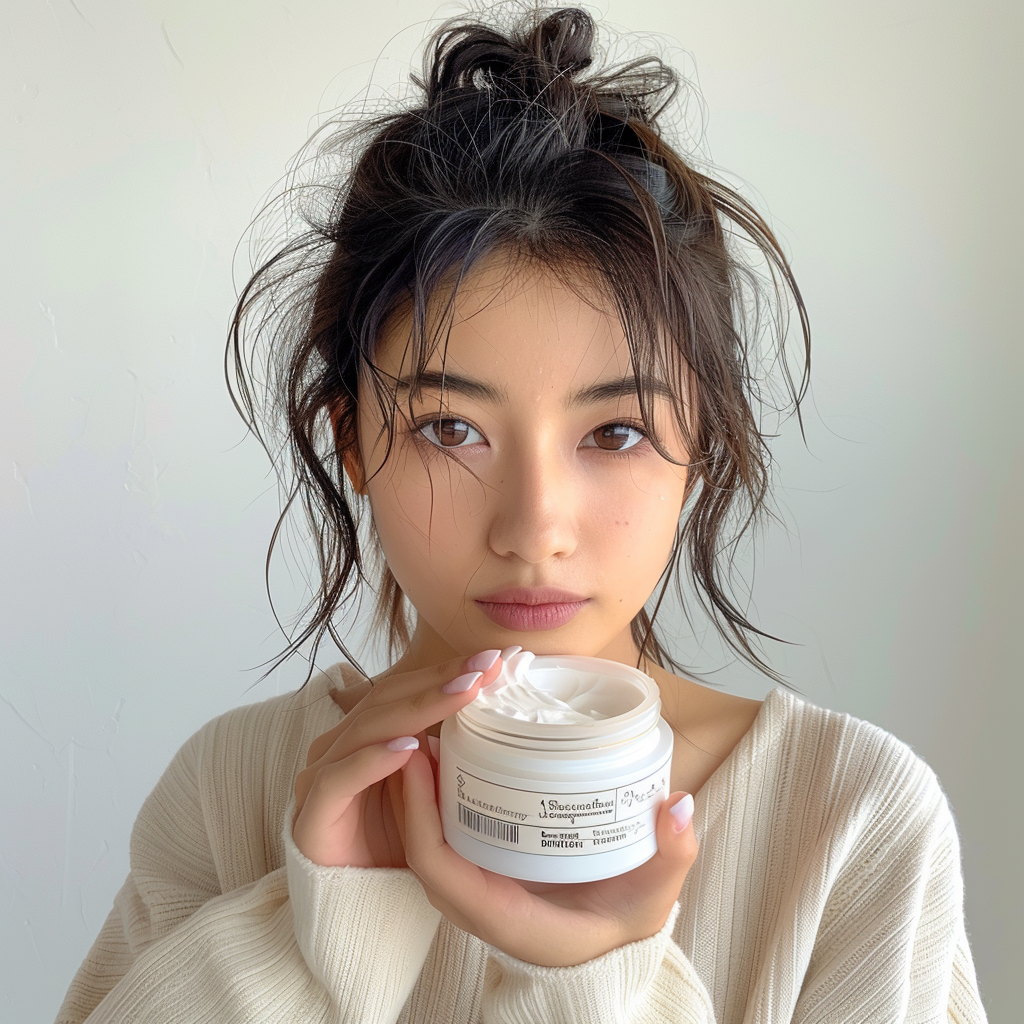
{"points": [[512, 322]]}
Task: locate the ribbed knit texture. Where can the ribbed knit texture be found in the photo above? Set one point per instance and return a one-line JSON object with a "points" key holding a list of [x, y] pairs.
{"points": [[827, 889]]}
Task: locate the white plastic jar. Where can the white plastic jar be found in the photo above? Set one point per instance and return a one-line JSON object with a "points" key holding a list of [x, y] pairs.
{"points": [[555, 772]]}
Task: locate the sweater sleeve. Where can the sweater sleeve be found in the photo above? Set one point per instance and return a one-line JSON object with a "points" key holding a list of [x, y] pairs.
{"points": [[646, 982], [891, 945], [301, 943]]}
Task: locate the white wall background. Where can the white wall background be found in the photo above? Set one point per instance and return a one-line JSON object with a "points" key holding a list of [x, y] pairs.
{"points": [[139, 136]]}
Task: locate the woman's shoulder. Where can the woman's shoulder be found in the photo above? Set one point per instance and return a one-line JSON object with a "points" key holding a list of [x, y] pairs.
{"points": [[286, 718], [815, 757], [226, 790], [254, 747], [808, 725]]}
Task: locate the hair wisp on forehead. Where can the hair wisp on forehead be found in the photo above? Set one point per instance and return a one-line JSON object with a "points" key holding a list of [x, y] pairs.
{"points": [[519, 141]]}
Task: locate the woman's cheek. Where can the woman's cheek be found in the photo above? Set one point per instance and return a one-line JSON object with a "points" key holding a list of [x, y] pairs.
{"points": [[638, 502], [425, 517], [633, 528]]}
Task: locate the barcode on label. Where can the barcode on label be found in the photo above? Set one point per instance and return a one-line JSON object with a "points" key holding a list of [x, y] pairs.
{"points": [[488, 826]]}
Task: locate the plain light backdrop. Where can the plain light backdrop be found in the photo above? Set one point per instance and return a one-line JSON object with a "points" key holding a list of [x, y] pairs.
{"points": [[881, 138]]}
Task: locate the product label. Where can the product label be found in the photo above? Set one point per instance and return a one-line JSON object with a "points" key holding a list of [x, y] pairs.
{"points": [[557, 824]]}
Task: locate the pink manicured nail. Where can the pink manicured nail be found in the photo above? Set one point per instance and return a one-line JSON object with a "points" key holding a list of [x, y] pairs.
{"points": [[435, 747], [460, 684], [403, 743], [682, 811], [483, 661], [509, 651]]}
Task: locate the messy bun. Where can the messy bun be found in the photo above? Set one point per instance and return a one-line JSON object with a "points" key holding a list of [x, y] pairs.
{"points": [[528, 62], [542, 57], [520, 140]]}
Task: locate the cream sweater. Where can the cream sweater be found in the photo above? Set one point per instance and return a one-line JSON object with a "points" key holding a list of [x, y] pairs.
{"points": [[827, 889]]}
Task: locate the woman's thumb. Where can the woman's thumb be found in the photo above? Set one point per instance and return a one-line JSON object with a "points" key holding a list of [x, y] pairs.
{"points": [[676, 839]]}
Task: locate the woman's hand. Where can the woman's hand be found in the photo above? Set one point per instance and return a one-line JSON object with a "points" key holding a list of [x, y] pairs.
{"points": [[553, 925], [344, 807]]}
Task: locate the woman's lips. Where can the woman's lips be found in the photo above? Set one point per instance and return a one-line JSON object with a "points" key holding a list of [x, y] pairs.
{"points": [[531, 609]]}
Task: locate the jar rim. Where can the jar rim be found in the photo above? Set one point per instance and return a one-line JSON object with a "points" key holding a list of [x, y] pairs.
{"points": [[616, 728]]}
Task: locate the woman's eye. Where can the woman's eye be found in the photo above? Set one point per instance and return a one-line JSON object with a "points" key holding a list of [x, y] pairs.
{"points": [[450, 433], [615, 437]]}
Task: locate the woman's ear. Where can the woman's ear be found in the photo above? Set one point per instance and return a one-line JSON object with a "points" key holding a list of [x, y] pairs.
{"points": [[348, 448], [354, 469]]}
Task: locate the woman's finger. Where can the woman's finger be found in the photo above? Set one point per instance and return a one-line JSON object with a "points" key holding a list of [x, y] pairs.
{"points": [[434, 748], [494, 908], [408, 703], [411, 717], [656, 883], [677, 842], [427, 853], [388, 688], [323, 793], [422, 820]]}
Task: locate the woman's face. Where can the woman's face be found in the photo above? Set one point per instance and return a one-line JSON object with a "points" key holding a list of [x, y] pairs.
{"points": [[556, 528]]}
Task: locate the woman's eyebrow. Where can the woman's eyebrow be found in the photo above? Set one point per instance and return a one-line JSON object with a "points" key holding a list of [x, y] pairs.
{"points": [[619, 387], [602, 391], [447, 381]]}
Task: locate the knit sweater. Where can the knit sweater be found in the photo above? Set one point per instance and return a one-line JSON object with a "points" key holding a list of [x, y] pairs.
{"points": [[827, 889]]}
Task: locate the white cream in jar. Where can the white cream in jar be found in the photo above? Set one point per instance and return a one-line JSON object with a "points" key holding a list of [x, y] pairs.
{"points": [[555, 772]]}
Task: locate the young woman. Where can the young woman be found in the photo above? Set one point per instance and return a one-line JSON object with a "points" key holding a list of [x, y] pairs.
{"points": [[518, 334]]}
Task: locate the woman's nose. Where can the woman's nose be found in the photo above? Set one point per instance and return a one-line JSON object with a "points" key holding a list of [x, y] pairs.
{"points": [[535, 508]]}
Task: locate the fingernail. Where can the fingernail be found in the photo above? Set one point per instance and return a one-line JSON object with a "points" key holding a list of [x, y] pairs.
{"points": [[509, 651], [460, 684], [403, 743], [682, 812], [483, 661], [435, 747]]}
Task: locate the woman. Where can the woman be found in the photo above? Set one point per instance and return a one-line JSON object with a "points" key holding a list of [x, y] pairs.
{"points": [[519, 335]]}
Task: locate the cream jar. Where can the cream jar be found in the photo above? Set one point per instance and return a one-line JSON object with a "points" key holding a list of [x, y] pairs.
{"points": [[555, 772]]}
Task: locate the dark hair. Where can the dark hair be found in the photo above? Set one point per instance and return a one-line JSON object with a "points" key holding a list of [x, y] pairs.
{"points": [[520, 143]]}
